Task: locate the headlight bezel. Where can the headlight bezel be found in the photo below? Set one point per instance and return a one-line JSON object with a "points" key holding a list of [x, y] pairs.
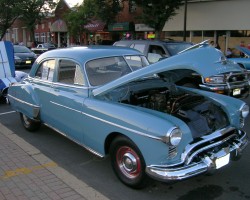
{"points": [[244, 110], [173, 136]]}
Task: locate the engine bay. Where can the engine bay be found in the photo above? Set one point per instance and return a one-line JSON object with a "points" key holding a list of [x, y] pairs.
{"points": [[200, 114]]}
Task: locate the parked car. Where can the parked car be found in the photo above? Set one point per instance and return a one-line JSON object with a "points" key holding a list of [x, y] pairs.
{"points": [[8, 75], [43, 47], [244, 62], [155, 50], [24, 57], [105, 100], [231, 79]]}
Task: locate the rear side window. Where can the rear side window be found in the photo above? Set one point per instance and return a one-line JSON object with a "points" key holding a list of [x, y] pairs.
{"points": [[46, 70], [70, 73]]}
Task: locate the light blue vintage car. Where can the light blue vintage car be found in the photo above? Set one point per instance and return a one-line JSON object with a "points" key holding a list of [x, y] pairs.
{"points": [[149, 126]]}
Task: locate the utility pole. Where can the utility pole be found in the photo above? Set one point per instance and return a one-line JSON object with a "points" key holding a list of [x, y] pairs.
{"points": [[185, 21]]}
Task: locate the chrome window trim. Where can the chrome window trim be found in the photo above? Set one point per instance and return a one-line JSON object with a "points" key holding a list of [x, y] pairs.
{"points": [[34, 79]]}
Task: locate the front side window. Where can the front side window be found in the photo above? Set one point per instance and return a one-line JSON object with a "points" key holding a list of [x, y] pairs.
{"points": [[46, 70], [155, 53]]}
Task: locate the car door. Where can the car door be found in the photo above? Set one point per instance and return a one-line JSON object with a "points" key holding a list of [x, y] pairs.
{"points": [[69, 91], [41, 84]]}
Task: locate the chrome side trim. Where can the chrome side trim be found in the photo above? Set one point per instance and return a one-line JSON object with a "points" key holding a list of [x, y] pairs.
{"points": [[123, 127], [23, 102], [35, 108], [110, 123], [82, 145], [78, 111]]}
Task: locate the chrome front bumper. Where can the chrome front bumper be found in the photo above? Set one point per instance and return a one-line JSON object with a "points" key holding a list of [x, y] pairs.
{"points": [[208, 161]]}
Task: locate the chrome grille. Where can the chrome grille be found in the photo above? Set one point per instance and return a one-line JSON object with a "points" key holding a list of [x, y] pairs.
{"points": [[237, 77], [172, 152]]}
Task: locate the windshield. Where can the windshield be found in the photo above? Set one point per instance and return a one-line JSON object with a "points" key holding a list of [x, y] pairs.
{"points": [[175, 48], [105, 70], [21, 49]]}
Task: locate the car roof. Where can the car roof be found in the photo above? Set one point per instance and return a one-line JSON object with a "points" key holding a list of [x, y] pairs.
{"points": [[150, 41], [85, 53]]}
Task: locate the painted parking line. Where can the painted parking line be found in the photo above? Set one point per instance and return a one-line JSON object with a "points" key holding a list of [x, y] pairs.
{"points": [[6, 113], [26, 170]]}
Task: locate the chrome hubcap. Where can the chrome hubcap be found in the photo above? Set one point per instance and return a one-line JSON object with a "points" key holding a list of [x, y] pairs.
{"points": [[26, 120], [128, 162]]}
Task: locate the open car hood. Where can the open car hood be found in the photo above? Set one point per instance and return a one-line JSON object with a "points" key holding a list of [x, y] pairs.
{"points": [[204, 60], [244, 50]]}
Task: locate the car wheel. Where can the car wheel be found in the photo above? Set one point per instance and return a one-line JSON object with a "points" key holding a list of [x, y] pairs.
{"points": [[29, 124], [128, 163]]}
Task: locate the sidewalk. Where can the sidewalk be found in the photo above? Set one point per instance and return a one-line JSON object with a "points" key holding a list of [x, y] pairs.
{"points": [[27, 174]]}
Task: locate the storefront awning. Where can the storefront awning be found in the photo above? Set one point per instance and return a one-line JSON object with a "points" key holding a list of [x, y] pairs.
{"points": [[59, 26], [123, 26], [95, 26]]}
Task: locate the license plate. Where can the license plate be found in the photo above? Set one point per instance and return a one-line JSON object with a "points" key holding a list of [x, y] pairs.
{"points": [[236, 91], [28, 62], [222, 161]]}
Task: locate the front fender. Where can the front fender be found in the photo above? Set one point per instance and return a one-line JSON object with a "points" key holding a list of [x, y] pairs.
{"points": [[143, 126]]}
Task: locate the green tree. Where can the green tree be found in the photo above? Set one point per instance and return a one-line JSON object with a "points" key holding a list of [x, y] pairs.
{"points": [[33, 11], [107, 10], [9, 13], [156, 13], [78, 17]]}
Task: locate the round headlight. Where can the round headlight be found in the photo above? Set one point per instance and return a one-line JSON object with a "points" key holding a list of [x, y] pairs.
{"points": [[244, 110], [173, 137]]}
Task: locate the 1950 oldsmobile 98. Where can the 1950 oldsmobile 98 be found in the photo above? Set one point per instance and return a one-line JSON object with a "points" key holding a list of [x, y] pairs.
{"points": [[149, 126]]}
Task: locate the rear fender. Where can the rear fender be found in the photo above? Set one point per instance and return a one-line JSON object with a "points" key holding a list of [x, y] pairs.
{"points": [[23, 99]]}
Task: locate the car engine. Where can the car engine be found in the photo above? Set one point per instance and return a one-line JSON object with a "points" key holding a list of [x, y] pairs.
{"points": [[201, 115]]}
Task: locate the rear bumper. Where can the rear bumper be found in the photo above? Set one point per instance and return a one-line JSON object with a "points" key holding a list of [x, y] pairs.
{"points": [[207, 160]]}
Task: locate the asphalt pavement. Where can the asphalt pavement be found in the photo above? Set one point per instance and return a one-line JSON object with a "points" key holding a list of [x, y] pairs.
{"points": [[27, 174]]}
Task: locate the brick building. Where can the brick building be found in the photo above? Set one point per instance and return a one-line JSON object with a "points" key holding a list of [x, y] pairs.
{"points": [[51, 29], [54, 28]]}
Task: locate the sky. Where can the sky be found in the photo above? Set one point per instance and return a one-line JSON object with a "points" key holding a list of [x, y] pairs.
{"points": [[74, 2]]}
